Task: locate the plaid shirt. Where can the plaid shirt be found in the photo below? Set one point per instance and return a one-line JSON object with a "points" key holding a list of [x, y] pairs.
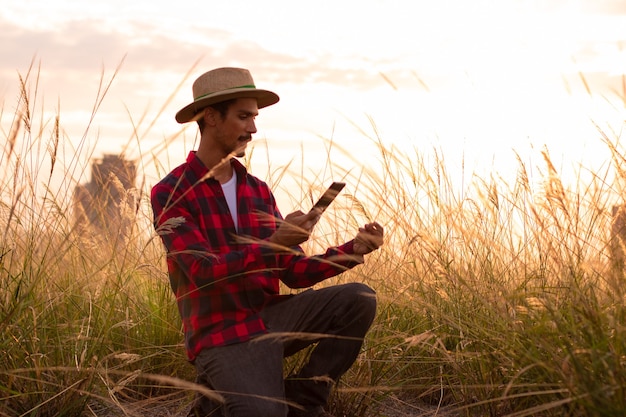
{"points": [[222, 278]]}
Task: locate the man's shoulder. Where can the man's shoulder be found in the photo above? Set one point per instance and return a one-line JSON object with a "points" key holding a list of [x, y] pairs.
{"points": [[176, 179], [175, 175], [253, 180], [259, 185]]}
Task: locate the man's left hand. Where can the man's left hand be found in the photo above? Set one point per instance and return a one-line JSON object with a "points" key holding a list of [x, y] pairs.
{"points": [[369, 238]]}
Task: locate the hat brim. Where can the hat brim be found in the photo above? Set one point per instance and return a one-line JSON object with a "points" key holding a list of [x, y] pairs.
{"points": [[264, 98]]}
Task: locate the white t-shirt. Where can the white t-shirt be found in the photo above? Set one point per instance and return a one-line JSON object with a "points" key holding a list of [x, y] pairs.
{"points": [[230, 192]]}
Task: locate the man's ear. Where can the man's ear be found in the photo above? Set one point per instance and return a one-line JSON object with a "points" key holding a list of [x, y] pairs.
{"points": [[210, 116]]}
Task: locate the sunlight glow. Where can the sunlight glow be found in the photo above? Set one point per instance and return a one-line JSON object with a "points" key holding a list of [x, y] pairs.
{"points": [[478, 79]]}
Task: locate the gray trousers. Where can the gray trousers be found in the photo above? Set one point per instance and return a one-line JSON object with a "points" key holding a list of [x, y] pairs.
{"points": [[250, 375]]}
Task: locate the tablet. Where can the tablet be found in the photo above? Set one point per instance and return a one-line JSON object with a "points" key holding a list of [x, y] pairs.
{"points": [[328, 196]]}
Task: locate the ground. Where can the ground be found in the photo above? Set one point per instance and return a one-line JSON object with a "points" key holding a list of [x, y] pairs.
{"points": [[392, 407]]}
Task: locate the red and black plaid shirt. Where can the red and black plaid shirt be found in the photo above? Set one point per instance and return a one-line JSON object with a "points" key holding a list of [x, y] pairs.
{"points": [[222, 278]]}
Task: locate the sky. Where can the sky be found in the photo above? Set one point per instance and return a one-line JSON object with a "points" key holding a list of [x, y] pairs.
{"points": [[477, 80]]}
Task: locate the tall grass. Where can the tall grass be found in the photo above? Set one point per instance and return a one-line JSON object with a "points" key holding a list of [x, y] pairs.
{"points": [[497, 299], [84, 312], [502, 299]]}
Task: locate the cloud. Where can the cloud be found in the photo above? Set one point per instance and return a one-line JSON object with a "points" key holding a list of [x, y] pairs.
{"points": [[81, 45], [79, 50], [72, 59]]}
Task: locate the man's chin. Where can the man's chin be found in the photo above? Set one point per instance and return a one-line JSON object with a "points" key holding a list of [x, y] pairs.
{"points": [[240, 152]]}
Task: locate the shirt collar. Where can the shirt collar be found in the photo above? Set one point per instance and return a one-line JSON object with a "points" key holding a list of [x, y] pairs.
{"points": [[200, 170]]}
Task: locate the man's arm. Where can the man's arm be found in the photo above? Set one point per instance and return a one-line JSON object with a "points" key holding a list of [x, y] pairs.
{"points": [[188, 247], [303, 271]]}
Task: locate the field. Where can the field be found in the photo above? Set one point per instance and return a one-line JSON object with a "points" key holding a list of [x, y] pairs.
{"points": [[502, 299]]}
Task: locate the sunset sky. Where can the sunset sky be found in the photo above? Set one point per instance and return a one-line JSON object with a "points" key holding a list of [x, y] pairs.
{"points": [[476, 79]]}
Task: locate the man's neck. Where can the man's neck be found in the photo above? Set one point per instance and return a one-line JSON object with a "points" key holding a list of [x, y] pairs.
{"points": [[223, 173], [219, 166]]}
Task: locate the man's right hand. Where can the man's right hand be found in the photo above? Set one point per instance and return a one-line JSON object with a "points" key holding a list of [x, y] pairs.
{"points": [[294, 229]]}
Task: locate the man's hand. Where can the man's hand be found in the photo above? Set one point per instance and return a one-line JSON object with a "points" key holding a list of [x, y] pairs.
{"points": [[369, 238], [295, 228]]}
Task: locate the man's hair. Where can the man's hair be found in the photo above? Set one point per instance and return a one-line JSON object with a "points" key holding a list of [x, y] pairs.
{"points": [[221, 107]]}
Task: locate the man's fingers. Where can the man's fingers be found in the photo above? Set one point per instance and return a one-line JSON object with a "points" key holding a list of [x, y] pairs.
{"points": [[375, 228]]}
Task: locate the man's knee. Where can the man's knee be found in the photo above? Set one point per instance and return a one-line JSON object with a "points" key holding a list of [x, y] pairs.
{"points": [[361, 297], [357, 306]]}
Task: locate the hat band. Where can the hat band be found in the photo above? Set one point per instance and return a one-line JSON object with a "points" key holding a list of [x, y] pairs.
{"points": [[231, 88]]}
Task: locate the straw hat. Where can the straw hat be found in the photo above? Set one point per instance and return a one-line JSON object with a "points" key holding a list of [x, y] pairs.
{"points": [[223, 84]]}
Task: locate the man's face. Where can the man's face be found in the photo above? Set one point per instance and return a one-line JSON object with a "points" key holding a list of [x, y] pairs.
{"points": [[235, 130]]}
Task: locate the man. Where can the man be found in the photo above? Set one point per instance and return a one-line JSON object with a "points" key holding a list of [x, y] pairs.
{"points": [[228, 248]]}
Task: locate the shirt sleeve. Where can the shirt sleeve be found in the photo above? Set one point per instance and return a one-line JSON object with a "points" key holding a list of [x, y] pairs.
{"points": [[193, 254], [300, 271]]}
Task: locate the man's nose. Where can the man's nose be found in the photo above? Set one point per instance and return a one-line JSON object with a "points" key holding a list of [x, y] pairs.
{"points": [[252, 127]]}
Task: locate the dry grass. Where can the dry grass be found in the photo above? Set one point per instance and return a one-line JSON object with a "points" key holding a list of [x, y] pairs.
{"points": [[497, 299]]}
